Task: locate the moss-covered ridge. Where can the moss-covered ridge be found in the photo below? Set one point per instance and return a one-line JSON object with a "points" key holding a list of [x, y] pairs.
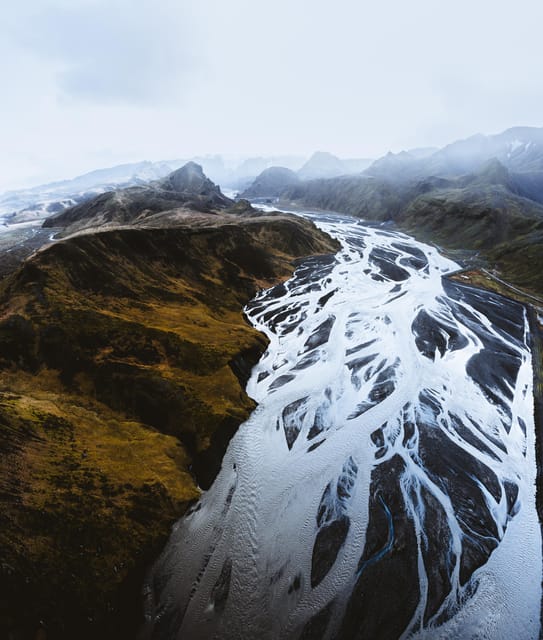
{"points": [[123, 356]]}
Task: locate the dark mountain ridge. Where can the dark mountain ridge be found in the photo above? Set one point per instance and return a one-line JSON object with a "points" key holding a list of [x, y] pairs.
{"points": [[187, 187], [519, 149], [271, 183], [494, 210]]}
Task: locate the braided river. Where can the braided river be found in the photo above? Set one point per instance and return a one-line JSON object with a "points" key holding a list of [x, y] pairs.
{"points": [[384, 487]]}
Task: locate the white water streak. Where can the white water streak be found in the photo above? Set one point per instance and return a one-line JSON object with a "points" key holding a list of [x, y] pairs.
{"points": [[255, 530]]}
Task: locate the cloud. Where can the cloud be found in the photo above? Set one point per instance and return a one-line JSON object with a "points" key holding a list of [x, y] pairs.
{"points": [[92, 82], [117, 51]]}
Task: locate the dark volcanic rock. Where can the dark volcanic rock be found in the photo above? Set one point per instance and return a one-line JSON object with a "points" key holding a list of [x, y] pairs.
{"points": [[191, 181], [383, 600], [186, 188], [271, 183]]}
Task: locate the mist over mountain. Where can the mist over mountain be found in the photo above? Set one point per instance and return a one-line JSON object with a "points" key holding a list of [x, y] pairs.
{"points": [[478, 193], [326, 165], [483, 193], [43, 200], [519, 149], [242, 175], [376, 191], [26, 205], [238, 173], [271, 183]]}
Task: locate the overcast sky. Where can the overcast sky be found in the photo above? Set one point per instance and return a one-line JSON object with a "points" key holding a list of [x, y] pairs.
{"points": [[93, 83]]}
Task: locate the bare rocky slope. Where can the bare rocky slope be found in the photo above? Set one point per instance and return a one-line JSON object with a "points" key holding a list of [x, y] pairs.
{"points": [[188, 187], [271, 183]]}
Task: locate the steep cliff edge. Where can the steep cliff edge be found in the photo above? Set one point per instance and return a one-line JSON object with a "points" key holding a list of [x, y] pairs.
{"points": [[123, 355]]}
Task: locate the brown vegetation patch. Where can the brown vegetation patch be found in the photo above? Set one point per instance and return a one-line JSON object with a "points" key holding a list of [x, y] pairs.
{"points": [[123, 358]]}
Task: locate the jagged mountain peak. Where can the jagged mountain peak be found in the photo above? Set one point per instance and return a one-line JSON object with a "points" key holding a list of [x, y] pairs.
{"points": [[187, 187], [271, 183], [322, 164], [190, 177]]}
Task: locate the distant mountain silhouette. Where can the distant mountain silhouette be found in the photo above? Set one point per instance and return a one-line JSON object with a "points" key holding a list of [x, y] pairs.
{"points": [[325, 165], [271, 183]]}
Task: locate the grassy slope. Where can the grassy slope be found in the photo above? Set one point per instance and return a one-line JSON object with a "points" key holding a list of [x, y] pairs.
{"points": [[121, 356], [508, 231]]}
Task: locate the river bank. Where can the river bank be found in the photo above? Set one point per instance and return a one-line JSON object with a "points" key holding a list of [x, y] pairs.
{"points": [[123, 359], [297, 518]]}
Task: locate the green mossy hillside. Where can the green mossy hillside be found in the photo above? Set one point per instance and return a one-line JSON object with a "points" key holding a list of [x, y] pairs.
{"points": [[123, 360]]}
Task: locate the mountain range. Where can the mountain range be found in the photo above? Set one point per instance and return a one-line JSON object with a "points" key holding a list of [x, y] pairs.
{"points": [[44, 200], [37, 203], [484, 194], [124, 351], [519, 149]]}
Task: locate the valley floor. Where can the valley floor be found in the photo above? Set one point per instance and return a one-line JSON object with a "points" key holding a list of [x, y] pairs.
{"points": [[386, 481]]}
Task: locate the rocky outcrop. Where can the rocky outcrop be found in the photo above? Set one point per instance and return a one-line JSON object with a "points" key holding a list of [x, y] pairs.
{"points": [[271, 183], [123, 356], [190, 181], [187, 188]]}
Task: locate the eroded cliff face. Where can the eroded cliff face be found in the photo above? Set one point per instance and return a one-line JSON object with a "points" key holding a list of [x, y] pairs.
{"points": [[123, 356]]}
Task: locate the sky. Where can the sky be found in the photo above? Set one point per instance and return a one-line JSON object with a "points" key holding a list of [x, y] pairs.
{"points": [[87, 84]]}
